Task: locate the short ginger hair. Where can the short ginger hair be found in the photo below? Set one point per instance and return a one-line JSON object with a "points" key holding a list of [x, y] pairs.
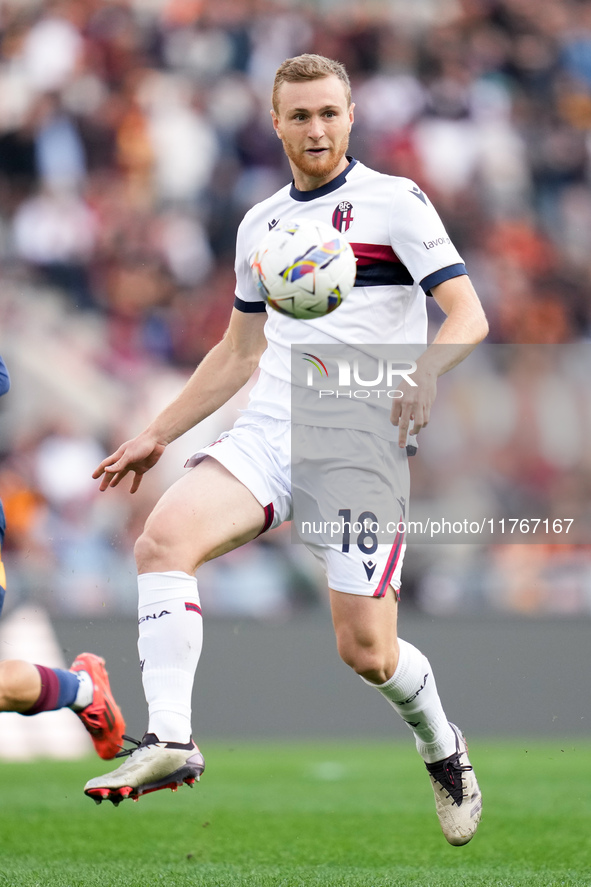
{"points": [[309, 67]]}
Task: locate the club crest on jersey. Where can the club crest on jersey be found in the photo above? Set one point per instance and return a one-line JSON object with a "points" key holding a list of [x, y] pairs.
{"points": [[342, 217]]}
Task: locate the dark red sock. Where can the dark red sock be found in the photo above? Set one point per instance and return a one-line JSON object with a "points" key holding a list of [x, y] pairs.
{"points": [[50, 691]]}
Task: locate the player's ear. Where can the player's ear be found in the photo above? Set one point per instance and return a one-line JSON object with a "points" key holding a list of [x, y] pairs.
{"points": [[351, 115], [275, 120]]}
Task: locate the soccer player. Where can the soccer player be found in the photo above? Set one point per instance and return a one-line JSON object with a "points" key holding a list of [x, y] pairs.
{"points": [[30, 689], [239, 486]]}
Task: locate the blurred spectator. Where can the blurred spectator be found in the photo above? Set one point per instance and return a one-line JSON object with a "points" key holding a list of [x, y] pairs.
{"points": [[54, 232], [59, 152], [53, 46], [182, 140]]}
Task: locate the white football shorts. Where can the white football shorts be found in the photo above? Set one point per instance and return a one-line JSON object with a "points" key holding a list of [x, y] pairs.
{"points": [[348, 499]]}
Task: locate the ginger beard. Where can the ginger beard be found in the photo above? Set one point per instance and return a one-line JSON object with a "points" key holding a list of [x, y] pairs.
{"points": [[321, 165]]}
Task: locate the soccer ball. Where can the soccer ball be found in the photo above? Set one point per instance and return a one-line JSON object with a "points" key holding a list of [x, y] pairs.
{"points": [[304, 268]]}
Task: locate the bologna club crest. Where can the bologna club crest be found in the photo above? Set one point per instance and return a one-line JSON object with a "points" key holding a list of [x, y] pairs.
{"points": [[342, 217]]}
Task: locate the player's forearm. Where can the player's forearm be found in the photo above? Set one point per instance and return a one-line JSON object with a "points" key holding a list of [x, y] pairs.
{"points": [[443, 355], [463, 328]]}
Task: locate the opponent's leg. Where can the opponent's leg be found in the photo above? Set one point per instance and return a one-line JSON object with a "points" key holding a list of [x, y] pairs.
{"points": [[366, 632], [20, 685], [30, 689], [206, 513]]}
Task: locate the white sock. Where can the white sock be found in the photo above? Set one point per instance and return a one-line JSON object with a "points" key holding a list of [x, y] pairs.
{"points": [[169, 646], [412, 692], [85, 693]]}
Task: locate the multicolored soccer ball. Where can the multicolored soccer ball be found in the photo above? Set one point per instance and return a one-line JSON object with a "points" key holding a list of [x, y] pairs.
{"points": [[304, 268]]}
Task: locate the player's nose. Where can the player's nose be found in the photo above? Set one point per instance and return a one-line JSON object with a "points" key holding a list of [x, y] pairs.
{"points": [[316, 128]]}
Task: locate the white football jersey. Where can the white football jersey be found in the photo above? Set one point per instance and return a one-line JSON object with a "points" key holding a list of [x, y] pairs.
{"points": [[402, 250]]}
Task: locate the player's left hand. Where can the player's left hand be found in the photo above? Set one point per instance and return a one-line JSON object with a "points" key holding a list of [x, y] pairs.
{"points": [[412, 411]]}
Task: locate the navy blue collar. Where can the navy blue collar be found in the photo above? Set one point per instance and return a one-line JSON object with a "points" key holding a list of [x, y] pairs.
{"points": [[325, 189]]}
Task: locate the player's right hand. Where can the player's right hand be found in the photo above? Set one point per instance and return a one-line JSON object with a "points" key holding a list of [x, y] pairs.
{"points": [[137, 455]]}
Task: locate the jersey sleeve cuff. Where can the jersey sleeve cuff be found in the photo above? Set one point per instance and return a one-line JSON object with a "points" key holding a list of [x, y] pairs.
{"points": [[249, 307], [4, 378], [443, 274]]}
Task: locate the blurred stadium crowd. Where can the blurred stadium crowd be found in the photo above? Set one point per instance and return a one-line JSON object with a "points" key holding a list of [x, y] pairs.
{"points": [[134, 134]]}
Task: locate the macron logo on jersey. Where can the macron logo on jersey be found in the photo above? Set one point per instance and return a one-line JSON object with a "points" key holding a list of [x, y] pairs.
{"points": [[418, 193], [272, 224], [369, 569]]}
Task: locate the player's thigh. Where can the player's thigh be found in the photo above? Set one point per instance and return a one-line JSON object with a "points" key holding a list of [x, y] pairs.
{"points": [[204, 514]]}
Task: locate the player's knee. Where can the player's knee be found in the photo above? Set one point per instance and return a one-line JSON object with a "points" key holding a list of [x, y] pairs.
{"points": [[149, 550], [161, 548], [366, 660]]}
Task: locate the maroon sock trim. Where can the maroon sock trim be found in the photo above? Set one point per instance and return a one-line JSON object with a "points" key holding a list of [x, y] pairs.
{"points": [[50, 691]]}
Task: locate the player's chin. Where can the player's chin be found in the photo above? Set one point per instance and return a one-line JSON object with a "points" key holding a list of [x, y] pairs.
{"points": [[318, 164]]}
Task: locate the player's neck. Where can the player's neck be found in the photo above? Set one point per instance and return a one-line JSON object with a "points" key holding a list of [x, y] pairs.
{"points": [[304, 182]]}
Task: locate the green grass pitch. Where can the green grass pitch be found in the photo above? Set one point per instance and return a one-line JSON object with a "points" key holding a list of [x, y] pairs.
{"points": [[321, 814]]}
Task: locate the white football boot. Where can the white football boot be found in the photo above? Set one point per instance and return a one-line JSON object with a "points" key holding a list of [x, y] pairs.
{"points": [[457, 796], [151, 766]]}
